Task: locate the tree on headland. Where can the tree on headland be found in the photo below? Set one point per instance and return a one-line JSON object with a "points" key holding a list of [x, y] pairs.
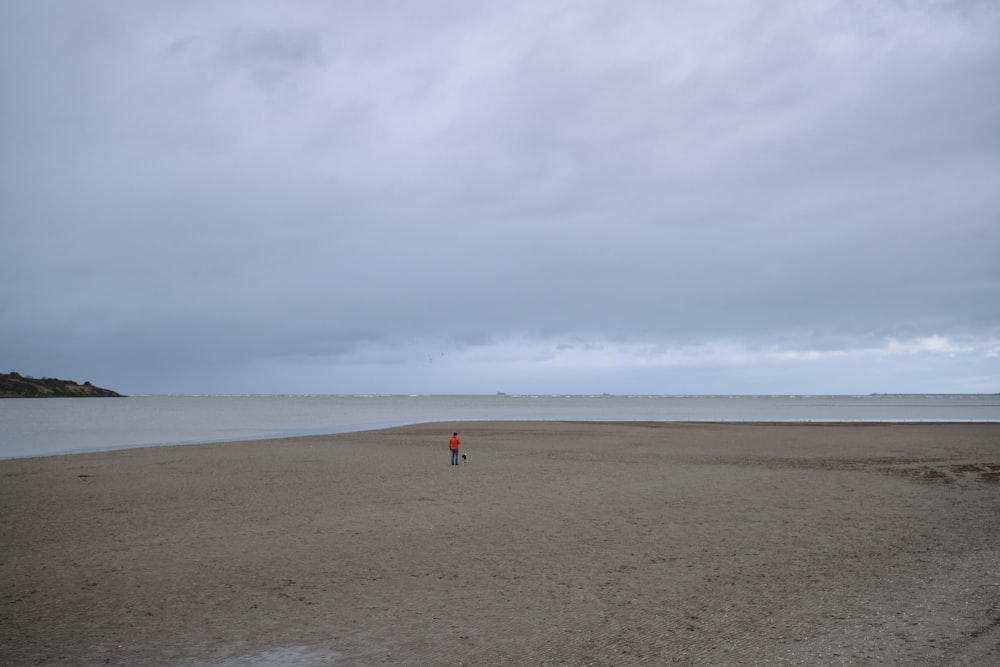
{"points": [[14, 385]]}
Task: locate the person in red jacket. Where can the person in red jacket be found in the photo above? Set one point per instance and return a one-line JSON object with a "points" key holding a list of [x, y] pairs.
{"points": [[453, 445]]}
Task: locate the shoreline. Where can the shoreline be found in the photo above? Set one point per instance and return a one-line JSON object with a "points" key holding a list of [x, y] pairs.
{"points": [[30, 427], [559, 542], [292, 434]]}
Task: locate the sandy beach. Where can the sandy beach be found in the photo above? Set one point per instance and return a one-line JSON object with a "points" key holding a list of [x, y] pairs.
{"points": [[558, 543]]}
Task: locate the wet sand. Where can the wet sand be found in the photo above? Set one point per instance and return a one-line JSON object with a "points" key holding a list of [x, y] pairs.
{"points": [[557, 544]]}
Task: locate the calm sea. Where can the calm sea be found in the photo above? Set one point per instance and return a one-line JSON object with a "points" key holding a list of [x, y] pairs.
{"points": [[38, 427]]}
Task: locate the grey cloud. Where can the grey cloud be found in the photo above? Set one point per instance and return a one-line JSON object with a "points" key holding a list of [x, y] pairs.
{"points": [[350, 183]]}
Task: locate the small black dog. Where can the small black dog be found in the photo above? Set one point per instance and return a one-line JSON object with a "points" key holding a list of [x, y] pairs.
{"points": [[465, 457]]}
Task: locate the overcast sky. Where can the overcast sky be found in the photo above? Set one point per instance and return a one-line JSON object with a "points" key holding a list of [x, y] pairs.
{"points": [[463, 196]]}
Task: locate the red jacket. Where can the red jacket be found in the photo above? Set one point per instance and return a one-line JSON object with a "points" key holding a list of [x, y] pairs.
{"points": [[454, 442]]}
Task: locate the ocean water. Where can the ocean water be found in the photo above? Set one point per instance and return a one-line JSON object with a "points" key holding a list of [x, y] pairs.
{"points": [[40, 427]]}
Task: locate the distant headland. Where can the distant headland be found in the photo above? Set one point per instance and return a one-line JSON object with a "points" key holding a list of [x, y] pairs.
{"points": [[13, 385]]}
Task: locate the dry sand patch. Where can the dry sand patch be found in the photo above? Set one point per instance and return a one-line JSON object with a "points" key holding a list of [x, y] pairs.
{"points": [[558, 543]]}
